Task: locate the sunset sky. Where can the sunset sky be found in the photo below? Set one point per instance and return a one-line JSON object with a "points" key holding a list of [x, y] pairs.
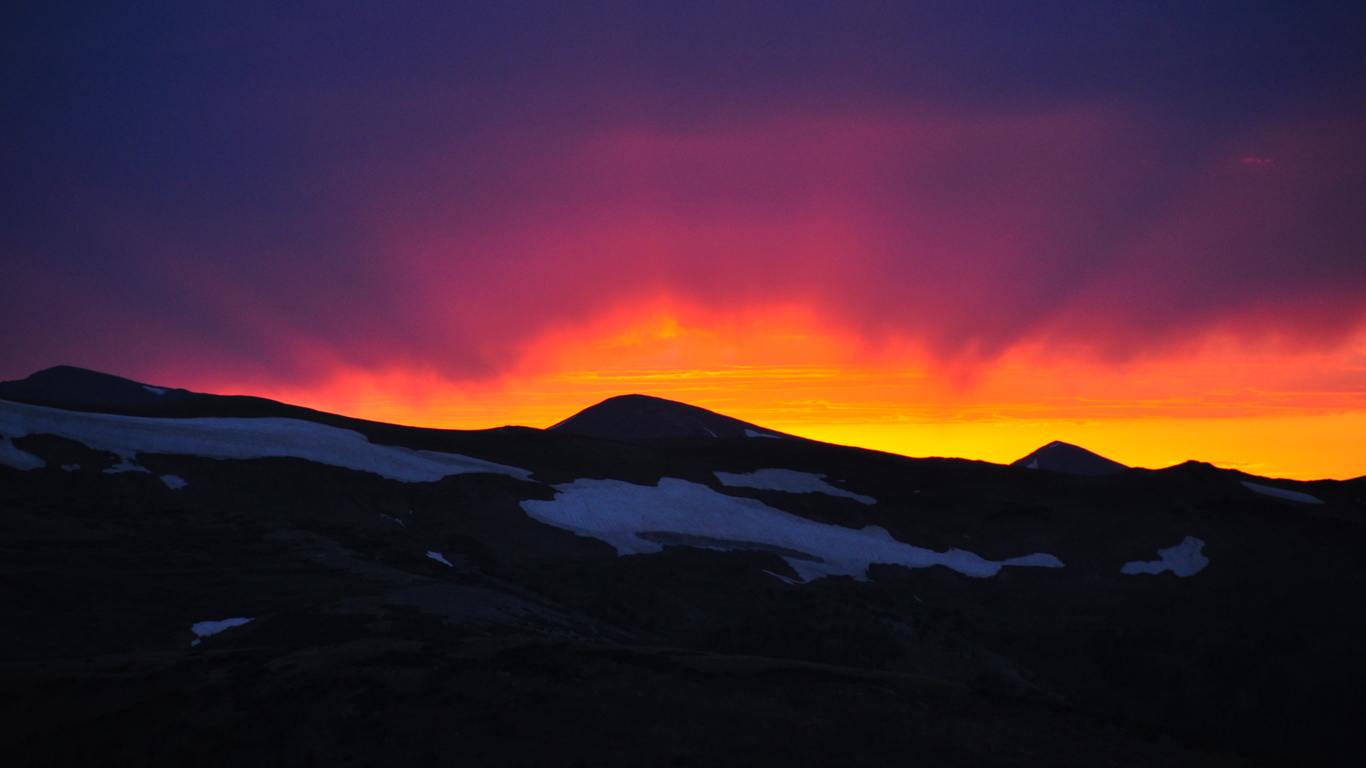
{"points": [[956, 229]]}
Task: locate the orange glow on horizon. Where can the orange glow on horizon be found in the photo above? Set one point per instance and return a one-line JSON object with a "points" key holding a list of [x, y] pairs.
{"points": [[1265, 411]]}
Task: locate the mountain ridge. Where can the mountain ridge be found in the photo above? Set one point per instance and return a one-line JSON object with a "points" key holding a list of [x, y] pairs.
{"points": [[69, 385], [621, 417], [529, 568]]}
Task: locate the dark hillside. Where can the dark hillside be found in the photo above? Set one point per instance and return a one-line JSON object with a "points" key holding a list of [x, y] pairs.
{"points": [[1186, 616]]}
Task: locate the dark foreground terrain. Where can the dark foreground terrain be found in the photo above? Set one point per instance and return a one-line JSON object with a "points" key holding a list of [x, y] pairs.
{"points": [[441, 621]]}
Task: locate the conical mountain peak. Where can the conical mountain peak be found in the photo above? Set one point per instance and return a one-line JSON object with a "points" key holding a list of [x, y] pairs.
{"points": [[1058, 456]]}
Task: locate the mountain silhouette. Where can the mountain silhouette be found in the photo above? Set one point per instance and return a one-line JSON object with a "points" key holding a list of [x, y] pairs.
{"points": [[1058, 456], [635, 417], [69, 386], [532, 596]]}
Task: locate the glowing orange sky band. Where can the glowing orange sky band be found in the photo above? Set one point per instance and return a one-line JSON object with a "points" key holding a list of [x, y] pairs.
{"points": [[1270, 412]]}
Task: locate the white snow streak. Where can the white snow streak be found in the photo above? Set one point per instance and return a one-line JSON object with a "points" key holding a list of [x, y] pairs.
{"points": [[1282, 493], [234, 438], [782, 578], [174, 482], [437, 556], [1184, 560], [640, 519], [155, 390], [206, 628], [788, 480], [757, 433]]}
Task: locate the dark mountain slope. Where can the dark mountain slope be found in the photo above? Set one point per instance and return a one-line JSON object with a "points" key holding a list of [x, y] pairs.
{"points": [[71, 387], [78, 389], [1058, 456], [444, 611], [635, 417]]}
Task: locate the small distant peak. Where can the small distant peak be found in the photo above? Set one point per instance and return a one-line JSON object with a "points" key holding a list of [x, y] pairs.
{"points": [[1058, 456], [1191, 466]]}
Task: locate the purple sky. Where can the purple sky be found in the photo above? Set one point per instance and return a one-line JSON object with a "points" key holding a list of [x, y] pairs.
{"points": [[278, 190]]}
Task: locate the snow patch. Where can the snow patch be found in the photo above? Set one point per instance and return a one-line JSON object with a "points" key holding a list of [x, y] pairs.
{"points": [[13, 457], [1282, 493], [126, 464], [437, 556], [207, 628], [1037, 560], [174, 482], [788, 480], [757, 433], [155, 390], [235, 438], [641, 519], [1184, 560]]}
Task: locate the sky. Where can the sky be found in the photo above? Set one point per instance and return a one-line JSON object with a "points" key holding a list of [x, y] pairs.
{"points": [[954, 229]]}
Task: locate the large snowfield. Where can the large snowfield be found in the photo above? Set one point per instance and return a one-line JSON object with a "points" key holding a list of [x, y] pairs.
{"points": [[229, 438], [641, 519]]}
